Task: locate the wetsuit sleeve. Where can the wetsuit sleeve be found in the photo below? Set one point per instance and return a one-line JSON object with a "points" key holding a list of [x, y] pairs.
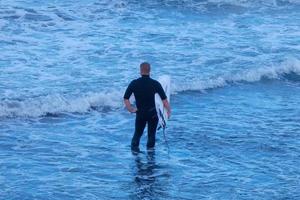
{"points": [[128, 91], [161, 91]]}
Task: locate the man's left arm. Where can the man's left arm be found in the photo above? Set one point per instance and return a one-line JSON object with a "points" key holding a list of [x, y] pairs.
{"points": [[167, 106], [164, 99]]}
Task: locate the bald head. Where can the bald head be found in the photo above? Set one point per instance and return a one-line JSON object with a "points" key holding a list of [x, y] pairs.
{"points": [[145, 68]]}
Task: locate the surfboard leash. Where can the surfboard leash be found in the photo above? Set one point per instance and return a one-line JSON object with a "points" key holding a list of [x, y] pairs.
{"points": [[161, 113], [166, 141]]}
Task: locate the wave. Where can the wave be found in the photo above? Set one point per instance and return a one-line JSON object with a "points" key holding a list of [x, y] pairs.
{"points": [[255, 2], [250, 3], [52, 105], [213, 4], [289, 70]]}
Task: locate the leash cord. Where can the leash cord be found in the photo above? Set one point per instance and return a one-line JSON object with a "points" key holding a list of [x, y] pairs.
{"points": [[166, 142]]}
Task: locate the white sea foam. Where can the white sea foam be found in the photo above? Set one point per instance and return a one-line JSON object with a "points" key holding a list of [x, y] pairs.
{"points": [[79, 50], [57, 104], [252, 3], [205, 4], [291, 66]]}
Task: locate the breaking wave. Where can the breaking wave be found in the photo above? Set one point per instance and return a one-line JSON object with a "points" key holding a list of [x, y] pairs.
{"points": [[289, 70], [52, 105], [57, 104], [215, 4]]}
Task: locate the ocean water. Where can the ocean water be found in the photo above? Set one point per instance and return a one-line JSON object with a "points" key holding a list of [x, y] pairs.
{"points": [[235, 126]]}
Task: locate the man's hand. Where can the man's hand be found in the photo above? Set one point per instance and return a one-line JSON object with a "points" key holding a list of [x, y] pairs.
{"points": [[129, 107], [169, 113], [167, 106], [133, 110]]}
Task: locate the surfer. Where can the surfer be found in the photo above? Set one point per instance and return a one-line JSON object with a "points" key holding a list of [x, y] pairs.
{"points": [[144, 89]]}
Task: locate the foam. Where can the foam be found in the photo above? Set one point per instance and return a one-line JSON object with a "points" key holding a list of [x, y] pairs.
{"points": [[205, 4], [255, 75], [57, 104], [53, 104], [253, 3]]}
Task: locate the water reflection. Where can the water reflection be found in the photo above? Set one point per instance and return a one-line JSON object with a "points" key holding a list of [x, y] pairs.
{"points": [[145, 179]]}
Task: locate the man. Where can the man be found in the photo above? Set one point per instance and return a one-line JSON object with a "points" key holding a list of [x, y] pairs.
{"points": [[144, 89]]}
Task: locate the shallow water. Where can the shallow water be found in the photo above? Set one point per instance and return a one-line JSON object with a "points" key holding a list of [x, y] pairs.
{"points": [[235, 126]]}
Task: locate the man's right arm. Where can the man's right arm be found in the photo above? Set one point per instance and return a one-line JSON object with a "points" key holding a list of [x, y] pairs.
{"points": [[127, 95], [129, 107]]}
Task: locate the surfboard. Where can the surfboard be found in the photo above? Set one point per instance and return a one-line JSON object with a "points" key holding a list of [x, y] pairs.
{"points": [[165, 82]]}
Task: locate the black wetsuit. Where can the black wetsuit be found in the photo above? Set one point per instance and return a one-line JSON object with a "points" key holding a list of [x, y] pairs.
{"points": [[144, 89]]}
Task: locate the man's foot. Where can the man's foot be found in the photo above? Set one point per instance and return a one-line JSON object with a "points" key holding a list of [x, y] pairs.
{"points": [[135, 150]]}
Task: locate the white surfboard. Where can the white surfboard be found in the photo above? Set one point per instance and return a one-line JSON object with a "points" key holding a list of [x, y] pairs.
{"points": [[165, 82]]}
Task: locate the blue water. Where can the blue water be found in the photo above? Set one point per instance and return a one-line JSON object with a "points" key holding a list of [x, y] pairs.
{"points": [[235, 126]]}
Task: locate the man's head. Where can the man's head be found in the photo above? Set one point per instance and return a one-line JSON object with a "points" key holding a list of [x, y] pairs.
{"points": [[145, 68]]}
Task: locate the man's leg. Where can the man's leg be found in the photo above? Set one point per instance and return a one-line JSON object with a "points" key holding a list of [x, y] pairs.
{"points": [[152, 125], [140, 124]]}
